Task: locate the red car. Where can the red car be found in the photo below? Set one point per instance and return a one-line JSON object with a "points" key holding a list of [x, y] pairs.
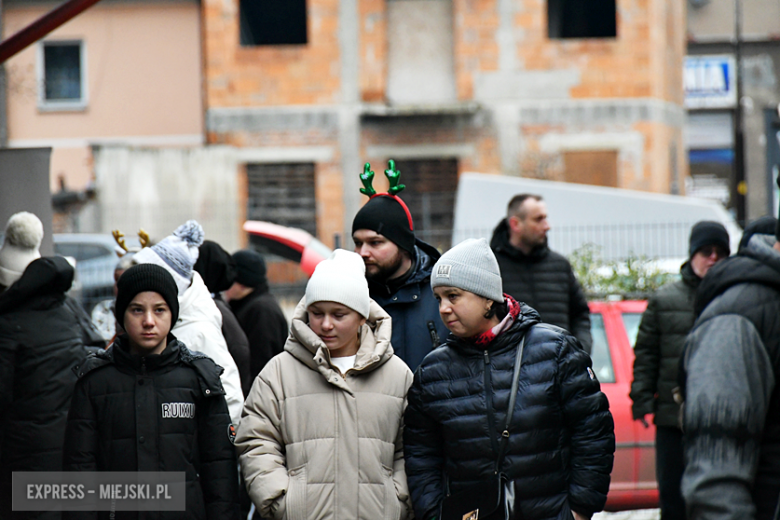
{"points": [[614, 327]]}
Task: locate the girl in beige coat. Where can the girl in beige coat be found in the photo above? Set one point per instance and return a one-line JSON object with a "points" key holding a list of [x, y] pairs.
{"points": [[321, 433]]}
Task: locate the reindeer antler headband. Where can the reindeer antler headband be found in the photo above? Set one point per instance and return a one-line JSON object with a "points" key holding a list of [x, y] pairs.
{"points": [[394, 177], [143, 238]]}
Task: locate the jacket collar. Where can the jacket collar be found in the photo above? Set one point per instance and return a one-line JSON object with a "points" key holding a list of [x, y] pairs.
{"points": [[500, 242], [688, 276], [507, 340], [120, 352], [237, 305], [425, 256], [375, 348]]}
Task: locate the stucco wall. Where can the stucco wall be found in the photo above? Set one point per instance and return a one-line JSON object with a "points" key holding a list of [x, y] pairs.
{"points": [[143, 64]]}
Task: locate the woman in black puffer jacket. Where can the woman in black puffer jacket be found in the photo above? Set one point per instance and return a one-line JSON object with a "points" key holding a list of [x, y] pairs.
{"points": [[561, 439]]}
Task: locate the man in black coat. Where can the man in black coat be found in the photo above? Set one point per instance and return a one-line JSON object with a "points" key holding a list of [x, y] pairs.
{"points": [[257, 310], [534, 274], [665, 325]]}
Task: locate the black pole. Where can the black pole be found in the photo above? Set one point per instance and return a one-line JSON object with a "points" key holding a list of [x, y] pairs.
{"points": [[739, 188]]}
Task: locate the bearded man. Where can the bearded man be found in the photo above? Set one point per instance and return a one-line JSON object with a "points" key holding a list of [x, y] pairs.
{"points": [[398, 270]]}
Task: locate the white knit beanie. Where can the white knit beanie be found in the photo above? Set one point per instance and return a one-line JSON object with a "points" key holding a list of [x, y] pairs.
{"points": [[177, 253], [471, 266], [340, 278], [23, 235]]}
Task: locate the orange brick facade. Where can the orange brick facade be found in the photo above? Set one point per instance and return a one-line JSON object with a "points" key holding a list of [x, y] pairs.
{"points": [[622, 94]]}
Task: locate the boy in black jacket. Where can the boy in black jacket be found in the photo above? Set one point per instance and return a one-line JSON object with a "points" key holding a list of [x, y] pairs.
{"points": [[118, 420]]}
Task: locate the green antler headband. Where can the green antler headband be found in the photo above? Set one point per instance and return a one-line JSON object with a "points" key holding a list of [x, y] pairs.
{"points": [[394, 176], [367, 177]]}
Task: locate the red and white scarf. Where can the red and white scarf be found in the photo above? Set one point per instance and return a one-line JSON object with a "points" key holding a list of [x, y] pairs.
{"points": [[484, 339]]}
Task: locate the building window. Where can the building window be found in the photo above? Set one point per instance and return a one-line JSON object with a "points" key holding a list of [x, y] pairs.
{"points": [[282, 194], [272, 22], [62, 72], [581, 18], [431, 185]]}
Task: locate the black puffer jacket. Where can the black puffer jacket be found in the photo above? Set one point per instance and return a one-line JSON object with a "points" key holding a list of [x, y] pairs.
{"points": [[117, 422], [417, 325], [561, 443], [659, 344], [545, 281], [41, 340]]}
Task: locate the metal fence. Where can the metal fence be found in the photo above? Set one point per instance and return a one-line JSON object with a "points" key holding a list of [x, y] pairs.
{"points": [[660, 241], [655, 241]]}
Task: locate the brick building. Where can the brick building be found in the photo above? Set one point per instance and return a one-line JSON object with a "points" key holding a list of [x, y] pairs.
{"points": [[309, 91]]}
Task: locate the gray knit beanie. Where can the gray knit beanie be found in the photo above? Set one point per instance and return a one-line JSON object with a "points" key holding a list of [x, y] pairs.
{"points": [[470, 266], [177, 253], [340, 278]]}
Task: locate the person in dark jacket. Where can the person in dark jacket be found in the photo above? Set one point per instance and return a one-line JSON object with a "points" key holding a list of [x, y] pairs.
{"points": [[121, 420], [730, 368], [534, 274], [41, 340], [665, 324], [218, 270], [398, 270], [561, 439], [256, 310]]}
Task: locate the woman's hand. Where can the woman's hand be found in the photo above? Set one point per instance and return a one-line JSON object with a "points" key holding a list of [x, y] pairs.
{"points": [[578, 516]]}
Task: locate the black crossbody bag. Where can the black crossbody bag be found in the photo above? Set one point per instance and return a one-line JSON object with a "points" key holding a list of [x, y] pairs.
{"points": [[493, 499]]}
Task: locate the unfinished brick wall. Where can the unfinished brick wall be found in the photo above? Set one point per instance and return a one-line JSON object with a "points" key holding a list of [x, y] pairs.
{"points": [[270, 75], [645, 60]]}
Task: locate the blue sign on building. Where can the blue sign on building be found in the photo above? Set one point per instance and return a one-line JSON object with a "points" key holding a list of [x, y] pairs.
{"points": [[709, 81]]}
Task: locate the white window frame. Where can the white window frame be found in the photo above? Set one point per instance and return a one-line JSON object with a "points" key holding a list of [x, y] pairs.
{"points": [[50, 105]]}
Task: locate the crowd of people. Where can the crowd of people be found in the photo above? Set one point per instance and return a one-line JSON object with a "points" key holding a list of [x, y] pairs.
{"points": [[406, 380]]}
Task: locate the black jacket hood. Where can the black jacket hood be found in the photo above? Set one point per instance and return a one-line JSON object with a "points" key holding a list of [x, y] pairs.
{"points": [[46, 276], [758, 263], [499, 242]]}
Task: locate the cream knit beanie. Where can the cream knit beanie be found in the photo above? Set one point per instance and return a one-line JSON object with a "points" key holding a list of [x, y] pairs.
{"points": [[340, 278], [23, 235]]}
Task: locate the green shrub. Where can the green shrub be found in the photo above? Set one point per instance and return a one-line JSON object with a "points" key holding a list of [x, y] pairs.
{"points": [[636, 277]]}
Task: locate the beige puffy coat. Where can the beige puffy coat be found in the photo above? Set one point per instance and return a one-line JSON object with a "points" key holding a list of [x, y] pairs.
{"points": [[315, 445]]}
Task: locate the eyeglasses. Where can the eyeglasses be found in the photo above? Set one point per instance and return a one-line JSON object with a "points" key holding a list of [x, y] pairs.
{"points": [[707, 251]]}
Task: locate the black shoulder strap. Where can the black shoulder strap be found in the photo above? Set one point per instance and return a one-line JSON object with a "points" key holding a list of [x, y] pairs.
{"points": [[512, 400]]}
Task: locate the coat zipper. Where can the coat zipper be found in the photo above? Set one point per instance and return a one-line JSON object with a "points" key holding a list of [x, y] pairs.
{"points": [[434, 334], [489, 404]]}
